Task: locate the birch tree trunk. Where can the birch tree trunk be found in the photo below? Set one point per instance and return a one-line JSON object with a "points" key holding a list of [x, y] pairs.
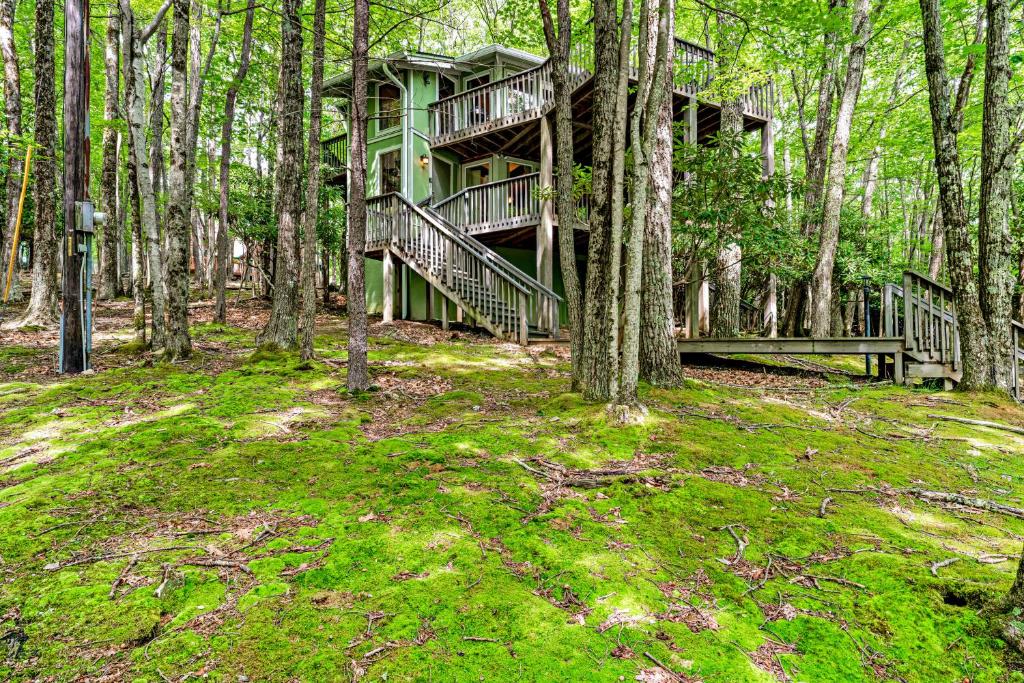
{"points": [[959, 252], [309, 218], [178, 344], [107, 285], [12, 112], [223, 259], [659, 358], [559, 46], [156, 113], [282, 328], [358, 373], [822, 310], [998, 157], [42, 305]]}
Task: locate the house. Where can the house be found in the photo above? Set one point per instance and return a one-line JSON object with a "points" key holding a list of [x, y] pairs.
{"points": [[458, 151]]}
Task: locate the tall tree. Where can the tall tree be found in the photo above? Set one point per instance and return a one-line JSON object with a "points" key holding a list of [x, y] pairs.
{"points": [[12, 111], [659, 358], [358, 373], [42, 305], [998, 158], [107, 285], [177, 343], [222, 260], [559, 47], [282, 327], [309, 218], [974, 343], [134, 38], [158, 90], [599, 367], [644, 126], [821, 297]]}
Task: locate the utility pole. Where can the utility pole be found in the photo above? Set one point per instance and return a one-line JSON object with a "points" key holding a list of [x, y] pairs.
{"points": [[79, 217]]}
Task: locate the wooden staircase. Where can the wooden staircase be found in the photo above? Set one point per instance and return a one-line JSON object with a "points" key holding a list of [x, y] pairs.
{"points": [[497, 295]]}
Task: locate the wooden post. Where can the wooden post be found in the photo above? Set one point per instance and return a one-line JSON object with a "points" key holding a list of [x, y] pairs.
{"points": [[389, 286], [430, 302], [691, 120], [524, 328], [404, 291], [771, 307], [444, 313], [704, 307], [546, 227], [768, 149], [75, 314]]}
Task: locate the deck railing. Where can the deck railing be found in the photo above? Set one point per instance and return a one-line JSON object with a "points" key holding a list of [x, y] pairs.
{"points": [[926, 319], [1018, 358], [530, 93], [499, 205], [334, 152]]}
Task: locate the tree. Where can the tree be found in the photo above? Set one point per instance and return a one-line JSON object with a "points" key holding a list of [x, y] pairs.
{"points": [[223, 255], [309, 219], [12, 110], [177, 343], [821, 299], [560, 47], [659, 358], [281, 329], [42, 305], [107, 285], [358, 373]]}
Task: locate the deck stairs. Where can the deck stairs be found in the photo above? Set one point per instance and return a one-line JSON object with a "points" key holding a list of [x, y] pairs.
{"points": [[490, 290]]}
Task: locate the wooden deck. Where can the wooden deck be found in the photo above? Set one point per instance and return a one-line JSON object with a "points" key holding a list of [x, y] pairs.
{"points": [[794, 345]]}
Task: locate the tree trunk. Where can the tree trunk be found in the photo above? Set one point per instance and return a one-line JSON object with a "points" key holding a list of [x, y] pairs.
{"points": [[156, 113], [654, 29], [998, 157], [309, 219], [559, 46], [282, 328], [223, 259], [12, 112], [358, 374], [179, 196], [821, 314], [138, 156], [107, 285], [659, 358], [599, 365], [42, 305], [959, 252]]}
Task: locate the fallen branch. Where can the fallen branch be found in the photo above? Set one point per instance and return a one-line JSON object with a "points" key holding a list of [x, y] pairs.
{"points": [[936, 566], [741, 543], [979, 423], [824, 506], [664, 668], [833, 579], [968, 501], [121, 577], [230, 564], [480, 639]]}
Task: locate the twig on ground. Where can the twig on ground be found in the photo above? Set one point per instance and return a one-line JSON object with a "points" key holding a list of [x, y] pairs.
{"points": [[979, 423], [121, 577], [824, 506], [936, 566], [664, 668]]}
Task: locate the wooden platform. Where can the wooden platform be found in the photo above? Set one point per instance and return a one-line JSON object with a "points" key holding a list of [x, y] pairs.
{"points": [[794, 345]]}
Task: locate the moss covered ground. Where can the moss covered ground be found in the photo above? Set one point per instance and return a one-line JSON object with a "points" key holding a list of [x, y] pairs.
{"points": [[240, 517]]}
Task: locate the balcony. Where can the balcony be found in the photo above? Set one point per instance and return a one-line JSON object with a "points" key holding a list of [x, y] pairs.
{"points": [[334, 155]]}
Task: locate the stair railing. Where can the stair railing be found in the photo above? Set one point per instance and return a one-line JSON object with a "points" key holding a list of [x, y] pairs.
{"points": [[455, 265]]}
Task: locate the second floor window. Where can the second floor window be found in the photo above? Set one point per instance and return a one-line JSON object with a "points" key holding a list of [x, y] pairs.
{"points": [[389, 106]]}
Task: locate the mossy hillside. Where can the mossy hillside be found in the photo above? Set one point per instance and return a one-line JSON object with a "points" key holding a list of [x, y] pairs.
{"points": [[312, 535]]}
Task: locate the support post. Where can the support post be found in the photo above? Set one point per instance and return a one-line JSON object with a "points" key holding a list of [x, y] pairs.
{"points": [[768, 149], [546, 227], [404, 284], [389, 286], [771, 307], [75, 314], [444, 313], [693, 303], [430, 302]]}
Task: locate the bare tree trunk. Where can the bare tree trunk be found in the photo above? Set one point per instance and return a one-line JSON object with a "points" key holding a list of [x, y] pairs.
{"points": [[654, 29], [659, 358], [282, 328], [12, 112], [42, 305], [998, 157], [138, 156], [309, 219], [559, 46], [959, 252], [107, 288], [599, 366], [156, 114], [223, 259], [358, 373], [821, 314], [179, 199]]}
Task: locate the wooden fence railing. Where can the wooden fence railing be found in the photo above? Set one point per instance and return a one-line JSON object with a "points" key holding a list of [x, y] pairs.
{"points": [[499, 205], [926, 319], [334, 152]]}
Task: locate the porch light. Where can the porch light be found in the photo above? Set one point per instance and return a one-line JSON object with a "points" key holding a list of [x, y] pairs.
{"points": [[424, 160]]}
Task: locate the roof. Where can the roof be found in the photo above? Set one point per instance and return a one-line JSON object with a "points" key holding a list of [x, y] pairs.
{"points": [[429, 61]]}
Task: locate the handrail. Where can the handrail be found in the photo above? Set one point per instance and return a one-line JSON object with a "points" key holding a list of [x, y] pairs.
{"points": [[494, 183]]}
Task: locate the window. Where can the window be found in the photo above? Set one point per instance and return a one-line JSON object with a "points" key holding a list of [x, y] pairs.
{"points": [[389, 106], [390, 170], [516, 169], [478, 174]]}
